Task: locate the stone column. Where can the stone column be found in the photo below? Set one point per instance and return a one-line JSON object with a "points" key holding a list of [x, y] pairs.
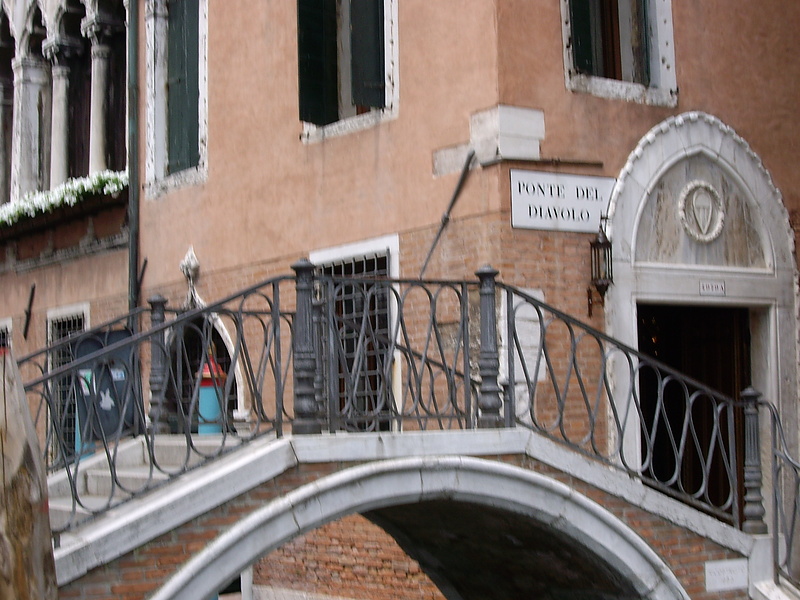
{"points": [[30, 151], [59, 135], [97, 131]]}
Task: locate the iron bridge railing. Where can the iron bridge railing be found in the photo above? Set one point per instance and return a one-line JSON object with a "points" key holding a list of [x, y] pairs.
{"points": [[309, 353]]}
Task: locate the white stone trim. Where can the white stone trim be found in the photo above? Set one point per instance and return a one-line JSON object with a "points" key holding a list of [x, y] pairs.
{"points": [[315, 133], [71, 310], [506, 132], [497, 133], [157, 181], [385, 243], [663, 88]]}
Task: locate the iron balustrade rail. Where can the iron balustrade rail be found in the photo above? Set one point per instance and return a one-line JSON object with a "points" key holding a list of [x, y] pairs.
{"points": [[309, 353], [785, 501], [187, 376], [292, 354], [607, 400]]}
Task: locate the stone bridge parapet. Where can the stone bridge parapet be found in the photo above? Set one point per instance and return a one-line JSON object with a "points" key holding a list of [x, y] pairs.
{"points": [[191, 536]]}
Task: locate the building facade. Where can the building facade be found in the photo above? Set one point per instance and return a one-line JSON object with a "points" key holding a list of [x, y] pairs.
{"points": [[246, 135]]}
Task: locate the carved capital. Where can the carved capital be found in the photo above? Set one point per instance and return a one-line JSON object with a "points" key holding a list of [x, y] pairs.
{"points": [[59, 48]]}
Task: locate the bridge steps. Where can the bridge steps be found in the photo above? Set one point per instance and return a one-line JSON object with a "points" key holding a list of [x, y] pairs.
{"points": [[99, 489], [61, 508]]}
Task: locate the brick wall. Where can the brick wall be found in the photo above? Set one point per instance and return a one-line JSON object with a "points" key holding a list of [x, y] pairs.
{"points": [[351, 558]]}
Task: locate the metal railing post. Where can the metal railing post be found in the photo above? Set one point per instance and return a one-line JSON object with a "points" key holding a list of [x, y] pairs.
{"points": [[489, 402], [307, 418], [753, 499], [159, 419]]}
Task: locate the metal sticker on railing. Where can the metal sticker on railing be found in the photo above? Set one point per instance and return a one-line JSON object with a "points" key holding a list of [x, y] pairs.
{"points": [[560, 202]]}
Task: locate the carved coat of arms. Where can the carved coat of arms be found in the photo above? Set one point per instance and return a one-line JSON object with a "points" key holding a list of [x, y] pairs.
{"points": [[701, 211]]}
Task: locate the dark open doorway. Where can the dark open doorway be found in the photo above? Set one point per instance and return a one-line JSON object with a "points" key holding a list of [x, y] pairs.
{"points": [[712, 346]]}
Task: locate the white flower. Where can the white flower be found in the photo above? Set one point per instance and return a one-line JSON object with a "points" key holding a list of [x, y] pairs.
{"points": [[69, 193]]}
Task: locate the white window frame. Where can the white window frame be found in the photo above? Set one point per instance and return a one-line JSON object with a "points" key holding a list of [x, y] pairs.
{"points": [[387, 243], [63, 312], [157, 180], [663, 87], [348, 124]]}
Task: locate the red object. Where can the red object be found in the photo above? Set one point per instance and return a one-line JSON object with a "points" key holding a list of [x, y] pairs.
{"points": [[212, 374]]}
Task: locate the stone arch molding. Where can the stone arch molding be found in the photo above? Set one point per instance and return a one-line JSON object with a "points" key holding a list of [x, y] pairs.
{"points": [[763, 279], [410, 480], [682, 137]]}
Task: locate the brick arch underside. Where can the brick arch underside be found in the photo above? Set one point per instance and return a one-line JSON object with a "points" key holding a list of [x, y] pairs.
{"points": [[521, 517]]}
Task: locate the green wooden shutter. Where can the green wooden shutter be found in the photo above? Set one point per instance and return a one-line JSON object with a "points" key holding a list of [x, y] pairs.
{"points": [[367, 53], [183, 83], [582, 47], [317, 61], [640, 35]]}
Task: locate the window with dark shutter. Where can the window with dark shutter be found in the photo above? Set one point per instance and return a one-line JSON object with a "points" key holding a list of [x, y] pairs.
{"points": [[330, 88], [609, 39], [367, 47], [582, 38], [183, 88], [317, 61]]}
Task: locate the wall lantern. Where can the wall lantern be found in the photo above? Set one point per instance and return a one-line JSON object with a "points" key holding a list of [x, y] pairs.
{"points": [[602, 272]]}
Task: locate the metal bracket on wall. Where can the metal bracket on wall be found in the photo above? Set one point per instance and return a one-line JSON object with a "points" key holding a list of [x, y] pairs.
{"points": [[28, 311]]}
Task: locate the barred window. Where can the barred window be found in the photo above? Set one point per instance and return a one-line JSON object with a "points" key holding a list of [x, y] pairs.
{"points": [[361, 317], [64, 405]]}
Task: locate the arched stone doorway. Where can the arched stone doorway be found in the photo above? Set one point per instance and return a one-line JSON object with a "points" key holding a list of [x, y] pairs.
{"points": [[697, 225], [553, 525]]}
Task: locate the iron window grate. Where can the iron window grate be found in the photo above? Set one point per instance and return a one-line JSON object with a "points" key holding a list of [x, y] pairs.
{"points": [[63, 392]]}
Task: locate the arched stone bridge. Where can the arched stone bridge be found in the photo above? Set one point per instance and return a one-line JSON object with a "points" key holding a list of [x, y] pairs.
{"points": [[499, 513]]}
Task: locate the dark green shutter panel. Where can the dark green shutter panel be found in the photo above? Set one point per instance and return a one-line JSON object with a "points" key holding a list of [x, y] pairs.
{"points": [[367, 47], [640, 35], [183, 81], [581, 19], [317, 61]]}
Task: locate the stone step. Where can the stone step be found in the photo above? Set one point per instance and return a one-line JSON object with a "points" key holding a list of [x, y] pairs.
{"points": [[171, 451], [94, 480], [61, 508], [129, 479], [128, 453]]}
